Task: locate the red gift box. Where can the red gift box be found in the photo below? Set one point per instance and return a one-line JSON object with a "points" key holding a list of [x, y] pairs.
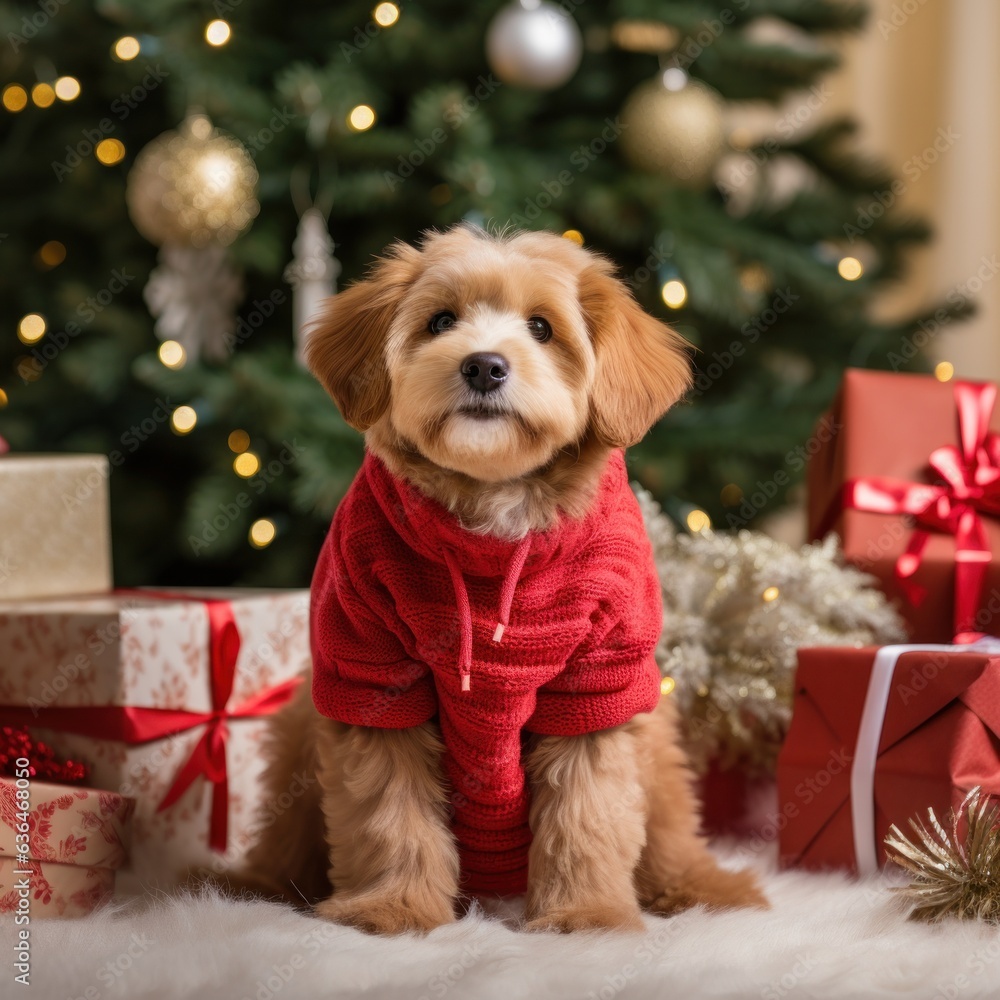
{"points": [[907, 472], [878, 736]]}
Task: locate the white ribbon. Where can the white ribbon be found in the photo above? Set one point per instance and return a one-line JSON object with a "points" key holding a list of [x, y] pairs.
{"points": [[866, 749]]}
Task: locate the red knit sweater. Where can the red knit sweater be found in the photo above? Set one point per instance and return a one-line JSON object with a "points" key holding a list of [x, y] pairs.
{"points": [[414, 616]]}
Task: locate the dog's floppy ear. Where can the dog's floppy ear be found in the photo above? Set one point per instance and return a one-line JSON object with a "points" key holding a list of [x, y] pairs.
{"points": [[642, 365], [345, 347]]}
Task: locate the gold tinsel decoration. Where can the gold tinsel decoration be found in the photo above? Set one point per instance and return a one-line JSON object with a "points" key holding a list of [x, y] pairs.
{"points": [[956, 872], [736, 608]]}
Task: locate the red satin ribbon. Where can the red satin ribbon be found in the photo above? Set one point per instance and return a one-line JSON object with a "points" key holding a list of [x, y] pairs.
{"points": [[971, 488], [141, 725]]}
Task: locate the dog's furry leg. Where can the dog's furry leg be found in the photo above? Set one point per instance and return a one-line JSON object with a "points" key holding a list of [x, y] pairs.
{"points": [[393, 860], [287, 861], [587, 814], [677, 870]]}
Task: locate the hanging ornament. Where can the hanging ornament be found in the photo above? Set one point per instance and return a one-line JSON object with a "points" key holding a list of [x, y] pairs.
{"points": [[194, 293], [956, 871], [534, 44], [674, 126], [736, 608], [312, 273], [192, 192]]}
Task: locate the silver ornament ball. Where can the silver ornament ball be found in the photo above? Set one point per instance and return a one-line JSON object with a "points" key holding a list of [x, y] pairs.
{"points": [[534, 44]]}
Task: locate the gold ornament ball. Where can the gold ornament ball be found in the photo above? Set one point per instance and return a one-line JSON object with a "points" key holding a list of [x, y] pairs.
{"points": [[193, 187], [679, 133]]}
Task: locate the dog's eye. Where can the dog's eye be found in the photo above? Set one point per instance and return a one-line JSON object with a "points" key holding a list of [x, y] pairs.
{"points": [[540, 329], [440, 322]]}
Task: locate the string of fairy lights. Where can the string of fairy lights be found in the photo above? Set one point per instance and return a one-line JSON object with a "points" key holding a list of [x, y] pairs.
{"points": [[17, 97]]}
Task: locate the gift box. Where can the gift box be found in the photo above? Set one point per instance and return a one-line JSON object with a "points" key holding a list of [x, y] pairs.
{"points": [[165, 695], [906, 469], [60, 847], [54, 526], [733, 802], [879, 735]]}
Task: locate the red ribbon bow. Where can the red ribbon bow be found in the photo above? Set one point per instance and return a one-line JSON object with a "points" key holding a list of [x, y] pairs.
{"points": [[970, 488], [141, 725]]}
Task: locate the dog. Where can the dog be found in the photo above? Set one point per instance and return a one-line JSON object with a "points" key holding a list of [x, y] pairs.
{"points": [[484, 714]]}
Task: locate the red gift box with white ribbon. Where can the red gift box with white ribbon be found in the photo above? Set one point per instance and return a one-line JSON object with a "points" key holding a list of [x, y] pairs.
{"points": [[879, 735]]}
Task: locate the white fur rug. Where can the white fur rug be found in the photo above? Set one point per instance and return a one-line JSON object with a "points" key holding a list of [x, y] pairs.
{"points": [[827, 936]]}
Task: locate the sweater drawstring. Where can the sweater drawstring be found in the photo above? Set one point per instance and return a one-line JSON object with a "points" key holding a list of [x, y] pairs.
{"points": [[507, 589], [510, 585], [464, 620]]}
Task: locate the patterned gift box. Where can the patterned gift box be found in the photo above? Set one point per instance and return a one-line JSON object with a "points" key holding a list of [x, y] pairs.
{"points": [[72, 842], [54, 526], [164, 695]]}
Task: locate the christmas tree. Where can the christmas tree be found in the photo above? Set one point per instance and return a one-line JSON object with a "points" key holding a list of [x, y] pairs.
{"points": [[623, 125]]}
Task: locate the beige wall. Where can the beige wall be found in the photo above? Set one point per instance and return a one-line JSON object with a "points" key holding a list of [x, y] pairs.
{"points": [[926, 72]]}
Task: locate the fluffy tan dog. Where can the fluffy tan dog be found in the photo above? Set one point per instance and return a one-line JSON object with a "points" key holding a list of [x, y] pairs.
{"points": [[496, 377]]}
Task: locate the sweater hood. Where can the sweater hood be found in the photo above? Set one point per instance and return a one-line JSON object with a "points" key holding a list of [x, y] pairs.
{"points": [[433, 532]]}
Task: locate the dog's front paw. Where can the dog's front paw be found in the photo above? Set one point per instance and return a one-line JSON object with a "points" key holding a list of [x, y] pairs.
{"points": [[588, 918], [715, 889], [378, 914]]}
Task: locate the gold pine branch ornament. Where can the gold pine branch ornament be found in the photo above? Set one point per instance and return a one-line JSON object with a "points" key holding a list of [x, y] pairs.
{"points": [[956, 871]]}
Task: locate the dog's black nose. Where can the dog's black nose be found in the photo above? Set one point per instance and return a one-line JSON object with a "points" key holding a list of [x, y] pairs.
{"points": [[485, 372]]}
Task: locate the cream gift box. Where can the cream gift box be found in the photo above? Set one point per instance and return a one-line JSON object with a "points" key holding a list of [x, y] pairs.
{"points": [[54, 526]]}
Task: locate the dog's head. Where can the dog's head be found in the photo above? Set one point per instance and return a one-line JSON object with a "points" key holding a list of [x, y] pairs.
{"points": [[490, 354]]}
